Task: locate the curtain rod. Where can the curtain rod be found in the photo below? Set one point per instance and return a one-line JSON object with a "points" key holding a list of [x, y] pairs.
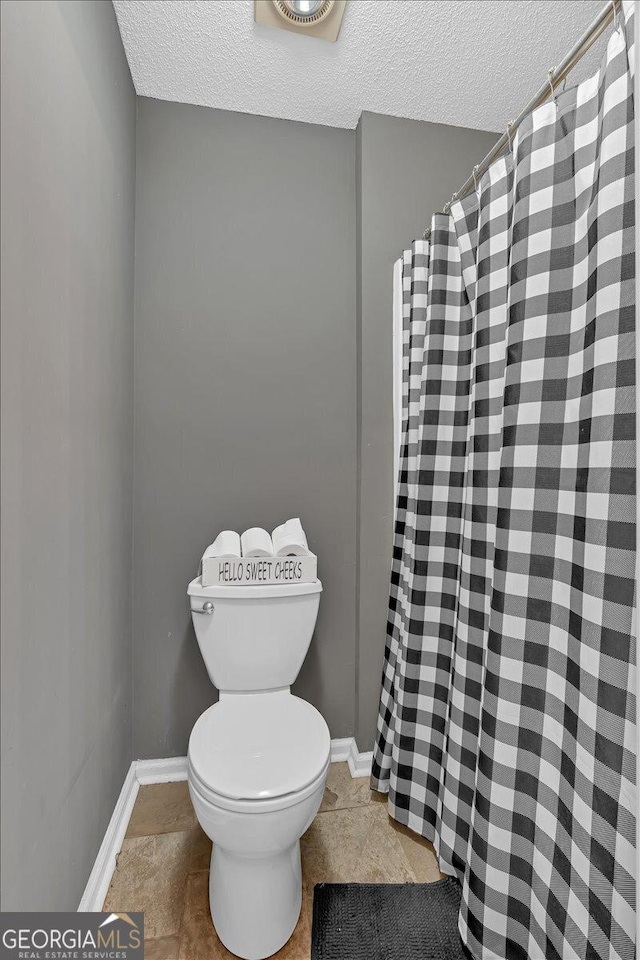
{"points": [[556, 76]]}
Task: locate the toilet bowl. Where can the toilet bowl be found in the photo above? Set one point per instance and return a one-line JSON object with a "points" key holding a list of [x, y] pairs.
{"points": [[257, 767], [258, 758]]}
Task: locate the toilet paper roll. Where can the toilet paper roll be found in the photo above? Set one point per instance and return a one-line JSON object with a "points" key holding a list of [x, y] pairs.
{"points": [[294, 530], [278, 532], [256, 542], [289, 540], [226, 544]]}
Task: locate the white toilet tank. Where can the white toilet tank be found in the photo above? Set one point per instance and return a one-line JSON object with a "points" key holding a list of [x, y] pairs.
{"points": [[254, 638]]}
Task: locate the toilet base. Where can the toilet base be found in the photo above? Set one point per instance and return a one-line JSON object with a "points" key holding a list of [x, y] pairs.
{"points": [[255, 901]]}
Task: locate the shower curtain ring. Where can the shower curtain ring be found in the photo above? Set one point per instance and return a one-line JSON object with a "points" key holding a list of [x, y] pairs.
{"points": [[509, 135], [477, 167], [446, 209], [551, 73]]}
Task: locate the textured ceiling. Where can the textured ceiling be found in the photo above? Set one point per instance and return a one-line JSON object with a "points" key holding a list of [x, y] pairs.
{"points": [[472, 63]]}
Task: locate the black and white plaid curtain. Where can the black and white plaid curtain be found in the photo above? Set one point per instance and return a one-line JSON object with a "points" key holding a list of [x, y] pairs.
{"points": [[506, 730]]}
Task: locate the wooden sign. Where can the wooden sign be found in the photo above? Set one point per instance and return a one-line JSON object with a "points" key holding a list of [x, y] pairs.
{"points": [[258, 571]]}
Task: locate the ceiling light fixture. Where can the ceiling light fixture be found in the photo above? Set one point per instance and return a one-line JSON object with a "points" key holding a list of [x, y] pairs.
{"points": [[304, 11], [315, 18]]}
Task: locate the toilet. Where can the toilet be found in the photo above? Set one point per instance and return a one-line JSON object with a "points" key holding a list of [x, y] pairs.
{"points": [[258, 758]]}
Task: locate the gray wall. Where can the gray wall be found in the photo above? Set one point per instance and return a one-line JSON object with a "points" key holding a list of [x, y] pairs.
{"points": [[407, 169], [245, 385], [255, 286], [68, 174]]}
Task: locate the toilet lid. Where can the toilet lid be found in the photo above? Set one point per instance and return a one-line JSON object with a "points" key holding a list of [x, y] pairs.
{"points": [[253, 747]]}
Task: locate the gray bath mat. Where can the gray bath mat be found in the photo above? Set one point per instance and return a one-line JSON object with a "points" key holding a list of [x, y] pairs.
{"points": [[387, 921]]}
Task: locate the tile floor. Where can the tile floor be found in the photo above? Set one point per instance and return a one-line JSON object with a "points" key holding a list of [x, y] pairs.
{"points": [[163, 867]]}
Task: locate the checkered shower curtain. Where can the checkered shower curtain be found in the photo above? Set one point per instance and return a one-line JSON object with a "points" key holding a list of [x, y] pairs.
{"points": [[506, 729]]}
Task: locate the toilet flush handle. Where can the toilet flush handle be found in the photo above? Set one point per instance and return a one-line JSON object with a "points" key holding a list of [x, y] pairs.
{"points": [[206, 608]]}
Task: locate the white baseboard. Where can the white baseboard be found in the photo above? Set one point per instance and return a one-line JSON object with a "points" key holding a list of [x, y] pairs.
{"points": [[161, 771], [175, 768], [169, 770], [359, 763], [100, 878], [340, 749]]}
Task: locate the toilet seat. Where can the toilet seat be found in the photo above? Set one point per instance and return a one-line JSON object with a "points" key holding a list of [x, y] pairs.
{"points": [[258, 751]]}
